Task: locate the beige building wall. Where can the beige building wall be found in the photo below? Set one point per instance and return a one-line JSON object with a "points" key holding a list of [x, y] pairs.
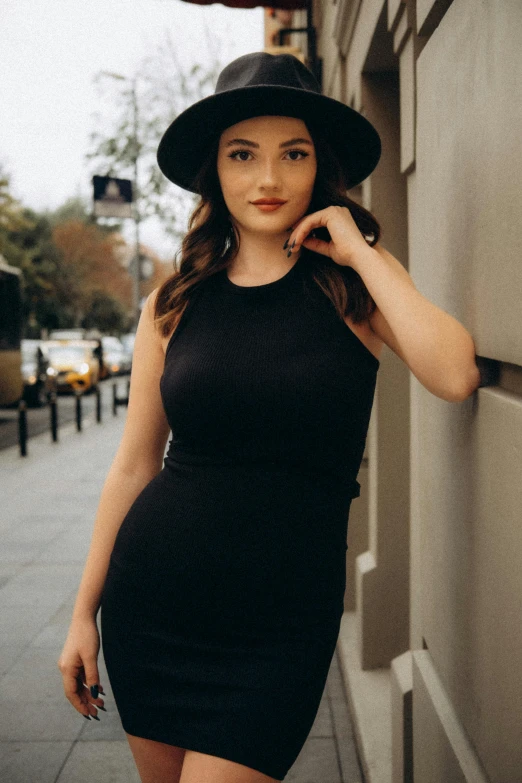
{"points": [[431, 640]]}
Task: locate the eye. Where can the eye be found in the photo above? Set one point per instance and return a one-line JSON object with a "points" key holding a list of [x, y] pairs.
{"points": [[236, 153], [299, 152]]}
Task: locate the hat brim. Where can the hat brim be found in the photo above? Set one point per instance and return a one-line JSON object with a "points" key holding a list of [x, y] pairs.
{"points": [[184, 144]]}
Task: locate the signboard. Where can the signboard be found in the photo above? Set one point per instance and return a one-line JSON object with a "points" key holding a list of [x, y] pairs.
{"points": [[112, 197]]}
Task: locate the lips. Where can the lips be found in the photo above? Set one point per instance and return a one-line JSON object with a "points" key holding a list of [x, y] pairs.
{"points": [[268, 201], [268, 205]]}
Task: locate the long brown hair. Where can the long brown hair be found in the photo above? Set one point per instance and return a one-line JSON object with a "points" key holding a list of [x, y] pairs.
{"points": [[211, 242]]}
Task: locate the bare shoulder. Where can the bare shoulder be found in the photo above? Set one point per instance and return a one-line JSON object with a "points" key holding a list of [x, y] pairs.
{"points": [[146, 427], [163, 340]]}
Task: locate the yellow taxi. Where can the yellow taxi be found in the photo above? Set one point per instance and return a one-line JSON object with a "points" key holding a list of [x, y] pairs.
{"points": [[73, 364]]}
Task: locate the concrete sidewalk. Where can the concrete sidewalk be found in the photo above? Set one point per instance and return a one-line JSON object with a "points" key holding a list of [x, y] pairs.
{"points": [[48, 504]]}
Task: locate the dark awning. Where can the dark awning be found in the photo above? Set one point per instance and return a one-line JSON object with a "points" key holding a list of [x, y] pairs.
{"points": [[287, 5]]}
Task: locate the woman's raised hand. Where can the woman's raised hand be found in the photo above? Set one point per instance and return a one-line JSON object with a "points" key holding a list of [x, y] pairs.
{"points": [[346, 239]]}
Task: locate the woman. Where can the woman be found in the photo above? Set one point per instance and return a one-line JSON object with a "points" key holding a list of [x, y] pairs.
{"points": [[221, 575]]}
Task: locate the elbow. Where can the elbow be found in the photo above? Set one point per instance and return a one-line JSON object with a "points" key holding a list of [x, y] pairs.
{"points": [[466, 385]]}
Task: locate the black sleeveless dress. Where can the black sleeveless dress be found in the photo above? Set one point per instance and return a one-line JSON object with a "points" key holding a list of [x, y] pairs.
{"points": [[222, 604]]}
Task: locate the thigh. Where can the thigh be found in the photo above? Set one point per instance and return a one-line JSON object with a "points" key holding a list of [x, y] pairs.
{"points": [[157, 762], [202, 768]]}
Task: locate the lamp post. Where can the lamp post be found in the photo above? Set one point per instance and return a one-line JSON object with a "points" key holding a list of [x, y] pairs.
{"points": [[135, 157]]}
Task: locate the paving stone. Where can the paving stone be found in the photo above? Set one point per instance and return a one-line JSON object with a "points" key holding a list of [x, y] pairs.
{"points": [[7, 571], [32, 762], [25, 598], [343, 728], [60, 579], [21, 553], [33, 528], [316, 763], [9, 654], [64, 613], [52, 636], [34, 676], [70, 547], [19, 625], [103, 761], [322, 725], [107, 728], [29, 721]]}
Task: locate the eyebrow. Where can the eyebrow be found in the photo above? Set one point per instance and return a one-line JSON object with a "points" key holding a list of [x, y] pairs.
{"points": [[248, 143]]}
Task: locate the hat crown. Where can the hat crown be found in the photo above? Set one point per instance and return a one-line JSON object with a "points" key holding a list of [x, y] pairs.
{"points": [[263, 69]]}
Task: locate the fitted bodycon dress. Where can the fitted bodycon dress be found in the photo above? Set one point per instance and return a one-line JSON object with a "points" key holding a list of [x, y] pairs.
{"points": [[224, 593]]}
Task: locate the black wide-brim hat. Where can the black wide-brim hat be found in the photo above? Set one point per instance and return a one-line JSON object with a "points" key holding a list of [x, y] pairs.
{"points": [[258, 84]]}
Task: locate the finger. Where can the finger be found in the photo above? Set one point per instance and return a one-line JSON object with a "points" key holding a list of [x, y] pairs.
{"points": [[303, 227], [71, 688], [92, 675], [91, 700], [317, 245], [91, 685]]}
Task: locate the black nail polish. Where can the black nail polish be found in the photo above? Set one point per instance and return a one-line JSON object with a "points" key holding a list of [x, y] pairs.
{"points": [[292, 245], [94, 691], [95, 717], [86, 716], [101, 708], [289, 253], [285, 245]]}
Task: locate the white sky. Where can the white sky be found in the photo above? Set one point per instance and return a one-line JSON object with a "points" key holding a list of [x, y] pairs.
{"points": [[49, 52]]}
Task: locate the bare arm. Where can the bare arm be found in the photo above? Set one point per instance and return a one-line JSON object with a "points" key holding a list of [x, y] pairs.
{"points": [[119, 492], [438, 349], [137, 461]]}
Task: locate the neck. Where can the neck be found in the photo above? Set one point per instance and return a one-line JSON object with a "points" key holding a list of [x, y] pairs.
{"points": [[262, 257]]}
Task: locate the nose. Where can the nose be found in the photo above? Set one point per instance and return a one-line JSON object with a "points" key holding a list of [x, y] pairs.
{"points": [[269, 175]]}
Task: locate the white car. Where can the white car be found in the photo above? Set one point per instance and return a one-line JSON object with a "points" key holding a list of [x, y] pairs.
{"points": [[115, 356]]}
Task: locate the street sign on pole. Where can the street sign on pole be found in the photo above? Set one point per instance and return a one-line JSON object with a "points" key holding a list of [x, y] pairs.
{"points": [[112, 197]]}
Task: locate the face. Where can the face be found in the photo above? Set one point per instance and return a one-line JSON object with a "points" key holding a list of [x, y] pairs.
{"points": [[267, 157]]}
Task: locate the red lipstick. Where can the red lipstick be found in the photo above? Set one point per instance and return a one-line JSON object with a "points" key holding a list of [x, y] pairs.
{"points": [[268, 204]]}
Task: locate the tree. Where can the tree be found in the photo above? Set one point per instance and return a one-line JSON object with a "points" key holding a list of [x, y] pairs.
{"points": [[144, 105], [67, 261], [12, 220], [92, 262], [107, 314]]}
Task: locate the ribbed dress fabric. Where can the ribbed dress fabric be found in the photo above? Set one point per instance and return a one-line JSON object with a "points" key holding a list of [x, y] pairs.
{"points": [[222, 604]]}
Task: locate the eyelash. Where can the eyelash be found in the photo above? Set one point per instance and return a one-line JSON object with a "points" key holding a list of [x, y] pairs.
{"points": [[236, 152]]}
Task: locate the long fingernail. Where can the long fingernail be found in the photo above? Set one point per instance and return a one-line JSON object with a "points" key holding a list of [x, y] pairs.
{"points": [[94, 691], [292, 245], [101, 708], [86, 716], [95, 717], [285, 245], [289, 253]]}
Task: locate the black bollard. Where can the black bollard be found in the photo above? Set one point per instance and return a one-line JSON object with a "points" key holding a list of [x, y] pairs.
{"points": [[98, 404], [53, 405], [114, 400], [22, 427], [78, 396]]}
